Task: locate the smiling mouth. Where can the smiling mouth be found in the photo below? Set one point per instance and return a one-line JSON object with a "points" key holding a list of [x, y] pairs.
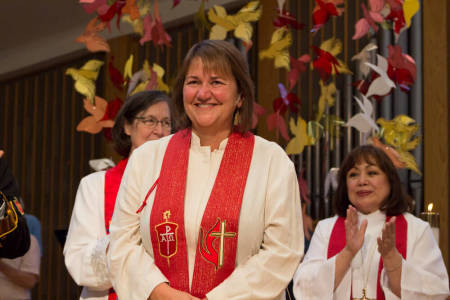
{"points": [[363, 193], [204, 105]]}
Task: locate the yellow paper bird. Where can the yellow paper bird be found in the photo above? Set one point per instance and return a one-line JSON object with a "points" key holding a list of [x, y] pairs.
{"points": [[85, 78], [279, 48], [410, 8], [160, 74], [399, 133], [327, 93], [239, 23], [128, 69], [300, 139], [334, 47]]}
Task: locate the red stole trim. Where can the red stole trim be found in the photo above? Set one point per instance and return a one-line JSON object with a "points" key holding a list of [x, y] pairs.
{"points": [[337, 243], [219, 226], [113, 177]]}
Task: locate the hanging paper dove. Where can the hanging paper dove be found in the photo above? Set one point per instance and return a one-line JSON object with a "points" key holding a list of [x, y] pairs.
{"points": [[396, 16], [115, 75], [286, 19], [93, 123], [390, 152], [130, 8], [331, 181], [238, 23], [286, 101], [363, 121], [258, 111], [90, 37], [115, 8], [99, 6], [162, 86], [200, 20], [298, 66], [85, 78], [326, 62], [323, 10], [101, 164], [276, 121], [370, 19], [128, 68], [300, 139], [400, 133], [154, 29], [279, 48], [382, 85], [410, 8], [363, 56], [327, 94], [402, 68]]}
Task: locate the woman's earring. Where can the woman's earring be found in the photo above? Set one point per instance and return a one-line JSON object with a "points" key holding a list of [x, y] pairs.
{"points": [[236, 120]]}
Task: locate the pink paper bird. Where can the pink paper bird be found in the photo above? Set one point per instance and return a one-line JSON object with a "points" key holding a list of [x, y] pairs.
{"points": [[370, 19], [298, 66], [258, 111]]}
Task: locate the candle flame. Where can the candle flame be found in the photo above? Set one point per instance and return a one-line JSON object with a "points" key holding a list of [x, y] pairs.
{"points": [[430, 207]]}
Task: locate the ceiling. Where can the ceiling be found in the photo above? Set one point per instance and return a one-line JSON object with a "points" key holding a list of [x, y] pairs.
{"points": [[35, 31]]}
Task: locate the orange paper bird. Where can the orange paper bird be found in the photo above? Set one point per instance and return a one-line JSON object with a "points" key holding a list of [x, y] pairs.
{"points": [[131, 9], [93, 123], [94, 42]]}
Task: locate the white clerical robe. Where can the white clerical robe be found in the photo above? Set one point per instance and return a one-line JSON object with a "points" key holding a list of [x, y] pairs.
{"points": [[85, 247], [424, 275], [270, 238]]}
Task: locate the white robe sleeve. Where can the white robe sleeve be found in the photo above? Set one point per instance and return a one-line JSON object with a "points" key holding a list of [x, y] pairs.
{"points": [[135, 273], [424, 275], [266, 274], [314, 278], [85, 247]]}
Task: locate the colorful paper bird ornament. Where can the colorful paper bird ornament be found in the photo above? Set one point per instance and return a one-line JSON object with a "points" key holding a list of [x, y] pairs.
{"points": [[363, 121], [327, 98], [323, 10], [371, 18], [401, 68], [300, 139], [279, 48], [285, 18], [85, 78], [326, 62], [94, 123], [364, 56], [91, 39], [390, 152], [381, 85], [154, 29], [400, 134], [298, 66], [258, 111], [238, 23]]}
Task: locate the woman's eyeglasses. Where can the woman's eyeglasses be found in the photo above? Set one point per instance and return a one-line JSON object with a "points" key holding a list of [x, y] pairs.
{"points": [[152, 122]]}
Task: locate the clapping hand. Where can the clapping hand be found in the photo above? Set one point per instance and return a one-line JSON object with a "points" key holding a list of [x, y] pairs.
{"points": [[386, 243], [354, 234]]}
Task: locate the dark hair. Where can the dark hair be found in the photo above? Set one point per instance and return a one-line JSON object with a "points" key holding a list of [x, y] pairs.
{"points": [[224, 58], [398, 200], [130, 109]]}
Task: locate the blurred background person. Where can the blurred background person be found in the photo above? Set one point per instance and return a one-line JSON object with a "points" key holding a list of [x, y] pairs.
{"points": [[143, 117]]}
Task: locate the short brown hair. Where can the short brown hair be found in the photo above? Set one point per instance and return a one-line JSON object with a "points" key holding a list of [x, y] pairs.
{"points": [[225, 58], [135, 104], [398, 200]]}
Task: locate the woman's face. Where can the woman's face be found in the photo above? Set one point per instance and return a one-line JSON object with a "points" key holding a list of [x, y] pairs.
{"points": [[210, 99], [150, 124], [367, 187]]}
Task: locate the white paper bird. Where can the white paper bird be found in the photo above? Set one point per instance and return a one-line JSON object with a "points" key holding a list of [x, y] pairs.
{"points": [[363, 121], [363, 56], [101, 164], [382, 85]]}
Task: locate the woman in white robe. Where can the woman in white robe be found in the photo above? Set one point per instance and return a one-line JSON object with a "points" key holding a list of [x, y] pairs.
{"points": [[369, 190], [212, 86], [144, 116]]}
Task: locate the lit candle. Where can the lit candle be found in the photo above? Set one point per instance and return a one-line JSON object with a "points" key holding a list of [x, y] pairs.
{"points": [[432, 218]]}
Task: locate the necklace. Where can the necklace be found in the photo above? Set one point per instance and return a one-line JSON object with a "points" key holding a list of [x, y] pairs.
{"points": [[366, 275]]}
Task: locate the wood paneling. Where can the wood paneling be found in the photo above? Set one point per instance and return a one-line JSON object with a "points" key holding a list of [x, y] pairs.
{"points": [[436, 49]]}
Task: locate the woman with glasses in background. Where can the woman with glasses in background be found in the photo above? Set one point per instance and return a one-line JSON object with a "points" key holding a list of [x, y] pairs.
{"points": [[144, 116]]}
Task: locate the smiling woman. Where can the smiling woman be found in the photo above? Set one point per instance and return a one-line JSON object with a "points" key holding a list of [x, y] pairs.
{"points": [[372, 214], [225, 216]]}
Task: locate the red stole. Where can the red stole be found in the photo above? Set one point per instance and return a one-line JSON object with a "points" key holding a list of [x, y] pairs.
{"points": [[113, 177], [337, 243], [217, 243]]}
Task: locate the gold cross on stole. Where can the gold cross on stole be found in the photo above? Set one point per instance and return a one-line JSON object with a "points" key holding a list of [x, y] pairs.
{"points": [[222, 234], [364, 297]]}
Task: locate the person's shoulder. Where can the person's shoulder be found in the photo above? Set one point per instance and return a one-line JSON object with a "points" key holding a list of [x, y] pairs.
{"points": [[153, 146], [328, 221], [93, 177], [414, 223], [269, 147]]}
